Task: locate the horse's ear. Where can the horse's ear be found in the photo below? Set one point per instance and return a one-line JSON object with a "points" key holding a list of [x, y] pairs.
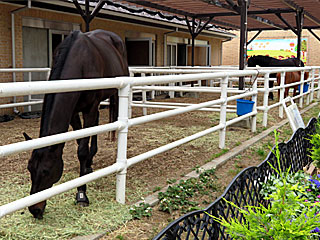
{"points": [[26, 136]]}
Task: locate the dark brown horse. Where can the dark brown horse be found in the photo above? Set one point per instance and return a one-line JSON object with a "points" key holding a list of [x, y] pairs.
{"points": [[93, 54], [266, 61], [291, 77]]}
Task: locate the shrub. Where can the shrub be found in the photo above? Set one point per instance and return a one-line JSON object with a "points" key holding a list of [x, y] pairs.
{"points": [[289, 216], [315, 150]]}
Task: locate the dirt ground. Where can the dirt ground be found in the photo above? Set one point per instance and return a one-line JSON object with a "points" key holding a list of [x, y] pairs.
{"points": [[156, 171]]}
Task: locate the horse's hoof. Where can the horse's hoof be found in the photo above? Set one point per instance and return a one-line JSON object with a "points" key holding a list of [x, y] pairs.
{"points": [[82, 204], [82, 199]]}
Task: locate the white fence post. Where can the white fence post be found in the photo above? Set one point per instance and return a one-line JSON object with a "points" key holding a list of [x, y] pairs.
{"points": [[265, 100], [153, 92], [308, 95], [312, 84], [122, 143], [144, 98], [281, 96], [223, 112], [144, 101], [318, 93], [255, 100], [301, 89], [29, 96], [171, 93], [130, 103], [180, 93]]}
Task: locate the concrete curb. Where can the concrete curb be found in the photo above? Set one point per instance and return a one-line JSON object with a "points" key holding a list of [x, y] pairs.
{"points": [[216, 163], [90, 237]]}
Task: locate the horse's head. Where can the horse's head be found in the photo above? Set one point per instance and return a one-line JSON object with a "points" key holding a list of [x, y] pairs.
{"points": [[45, 167]]}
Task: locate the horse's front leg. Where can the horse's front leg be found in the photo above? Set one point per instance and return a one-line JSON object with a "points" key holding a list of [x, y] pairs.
{"points": [[85, 155], [295, 90], [286, 92]]}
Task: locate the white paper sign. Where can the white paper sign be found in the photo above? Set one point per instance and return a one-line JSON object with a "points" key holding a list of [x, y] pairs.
{"points": [[293, 114]]}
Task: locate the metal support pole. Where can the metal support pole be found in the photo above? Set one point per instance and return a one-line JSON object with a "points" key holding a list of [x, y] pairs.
{"points": [[122, 143], [192, 41], [87, 16], [243, 40], [223, 112], [299, 21]]}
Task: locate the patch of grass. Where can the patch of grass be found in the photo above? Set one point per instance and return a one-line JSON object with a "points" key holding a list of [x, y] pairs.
{"points": [[62, 219], [237, 168], [171, 181], [261, 152], [223, 151], [178, 197], [155, 189], [120, 237], [143, 210]]}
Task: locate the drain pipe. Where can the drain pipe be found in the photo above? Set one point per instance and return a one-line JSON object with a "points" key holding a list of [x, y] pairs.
{"points": [[165, 45], [13, 45]]}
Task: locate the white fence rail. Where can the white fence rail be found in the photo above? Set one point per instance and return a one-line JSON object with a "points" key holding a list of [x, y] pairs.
{"points": [[30, 101], [122, 125], [125, 85], [313, 81]]}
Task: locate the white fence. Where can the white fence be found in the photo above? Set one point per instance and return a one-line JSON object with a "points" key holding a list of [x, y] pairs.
{"points": [[313, 81], [125, 85], [30, 101]]}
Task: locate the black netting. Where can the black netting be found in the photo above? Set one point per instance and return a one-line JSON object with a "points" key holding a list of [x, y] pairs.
{"points": [[243, 190]]}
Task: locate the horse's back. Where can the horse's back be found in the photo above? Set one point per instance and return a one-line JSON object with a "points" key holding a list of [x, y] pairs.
{"points": [[112, 50], [96, 54]]}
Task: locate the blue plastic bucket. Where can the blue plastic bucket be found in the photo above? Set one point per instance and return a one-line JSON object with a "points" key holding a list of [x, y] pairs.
{"points": [[305, 87], [244, 106]]}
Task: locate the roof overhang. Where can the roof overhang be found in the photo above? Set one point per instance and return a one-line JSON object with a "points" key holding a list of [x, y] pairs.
{"points": [[114, 12]]}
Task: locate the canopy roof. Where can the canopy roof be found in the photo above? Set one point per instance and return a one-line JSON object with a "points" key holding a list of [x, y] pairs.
{"points": [[262, 14]]}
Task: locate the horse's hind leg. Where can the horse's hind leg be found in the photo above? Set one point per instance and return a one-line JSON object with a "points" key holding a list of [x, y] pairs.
{"points": [[113, 112], [85, 155], [271, 93]]}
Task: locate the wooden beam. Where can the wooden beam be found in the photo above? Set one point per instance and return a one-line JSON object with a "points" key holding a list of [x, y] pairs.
{"points": [[314, 34], [286, 23], [254, 37]]}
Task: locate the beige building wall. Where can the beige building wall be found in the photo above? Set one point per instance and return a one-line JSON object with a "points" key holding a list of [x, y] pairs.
{"points": [[120, 28], [231, 49]]}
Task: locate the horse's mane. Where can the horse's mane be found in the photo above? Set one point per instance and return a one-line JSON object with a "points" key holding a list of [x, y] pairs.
{"points": [[59, 59], [262, 56], [60, 55]]}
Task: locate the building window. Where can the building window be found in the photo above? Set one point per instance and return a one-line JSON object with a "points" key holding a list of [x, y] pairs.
{"points": [[171, 54]]}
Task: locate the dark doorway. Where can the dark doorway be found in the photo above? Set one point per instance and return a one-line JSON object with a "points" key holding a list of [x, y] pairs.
{"points": [[139, 52], [182, 55]]}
